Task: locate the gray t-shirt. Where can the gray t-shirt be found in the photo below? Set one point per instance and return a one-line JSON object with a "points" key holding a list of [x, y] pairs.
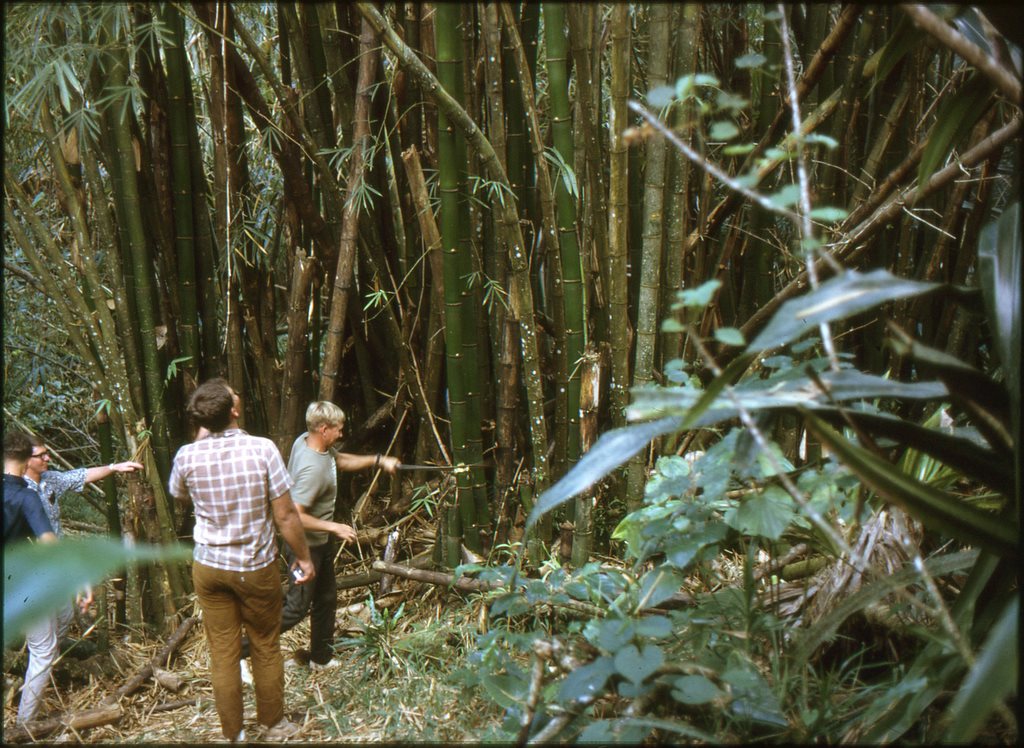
{"points": [[316, 484]]}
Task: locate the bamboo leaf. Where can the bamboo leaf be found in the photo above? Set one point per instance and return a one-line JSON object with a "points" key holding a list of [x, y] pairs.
{"points": [[610, 451], [936, 509], [992, 679], [41, 577], [838, 298], [999, 266], [954, 119]]}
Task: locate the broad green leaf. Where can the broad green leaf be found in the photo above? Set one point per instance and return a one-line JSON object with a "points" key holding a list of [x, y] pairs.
{"points": [[955, 117], [586, 682], [829, 215], [41, 577], [989, 682], [838, 298], [506, 690], [805, 645], [751, 60], [658, 585], [776, 392], [729, 336], [656, 627], [606, 731], [695, 689], [700, 296], [787, 196], [661, 96], [637, 665], [937, 510], [723, 130], [766, 514], [609, 634], [612, 449], [740, 149]]}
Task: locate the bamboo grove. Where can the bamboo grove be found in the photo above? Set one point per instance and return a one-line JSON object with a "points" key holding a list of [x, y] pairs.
{"points": [[450, 220]]}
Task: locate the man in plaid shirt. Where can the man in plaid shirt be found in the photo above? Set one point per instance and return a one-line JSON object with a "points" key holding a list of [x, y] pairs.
{"points": [[240, 489]]}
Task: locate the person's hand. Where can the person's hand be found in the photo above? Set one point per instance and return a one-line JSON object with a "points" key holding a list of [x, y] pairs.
{"points": [[126, 467], [389, 464], [307, 569], [344, 533], [84, 600]]}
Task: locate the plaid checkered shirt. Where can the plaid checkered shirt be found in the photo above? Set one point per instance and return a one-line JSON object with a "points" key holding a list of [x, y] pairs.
{"points": [[231, 478]]}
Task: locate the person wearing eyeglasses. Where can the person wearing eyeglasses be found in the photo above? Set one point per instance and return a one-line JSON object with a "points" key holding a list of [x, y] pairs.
{"points": [[51, 485], [25, 519]]}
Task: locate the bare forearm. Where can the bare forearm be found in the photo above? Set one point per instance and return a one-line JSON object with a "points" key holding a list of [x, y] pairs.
{"points": [[100, 472], [351, 463], [290, 526]]}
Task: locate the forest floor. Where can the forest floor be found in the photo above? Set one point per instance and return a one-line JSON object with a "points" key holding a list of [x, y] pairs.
{"points": [[399, 680]]}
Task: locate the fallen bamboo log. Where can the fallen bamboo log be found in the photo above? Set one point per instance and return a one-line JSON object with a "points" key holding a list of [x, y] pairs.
{"points": [[136, 681], [41, 728], [436, 577], [351, 581]]}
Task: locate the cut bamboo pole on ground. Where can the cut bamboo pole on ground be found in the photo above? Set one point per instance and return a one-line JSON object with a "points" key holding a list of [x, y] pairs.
{"points": [[136, 681], [41, 728]]}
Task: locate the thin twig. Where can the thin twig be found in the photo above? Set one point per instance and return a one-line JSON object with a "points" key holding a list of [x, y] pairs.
{"points": [[803, 224], [964, 48]]}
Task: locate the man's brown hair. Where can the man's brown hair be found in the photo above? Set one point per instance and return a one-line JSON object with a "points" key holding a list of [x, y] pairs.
{"points": [[17, 446], [210, 405]]}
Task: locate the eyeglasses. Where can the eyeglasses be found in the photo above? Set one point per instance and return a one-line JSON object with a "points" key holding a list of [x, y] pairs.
{"points": [[41, 455]]}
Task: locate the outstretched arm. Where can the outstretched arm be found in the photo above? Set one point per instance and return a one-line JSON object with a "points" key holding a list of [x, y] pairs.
{"points": [[351, 463], [94, 474]]}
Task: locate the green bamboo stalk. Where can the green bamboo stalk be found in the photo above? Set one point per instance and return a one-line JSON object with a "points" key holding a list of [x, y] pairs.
{"points": [[140, 257], [554, 263], [460, 316], [181, 185], [618, 211], [521, 296], [591, 160], [557, 50], [648, 310], [679, 217]]}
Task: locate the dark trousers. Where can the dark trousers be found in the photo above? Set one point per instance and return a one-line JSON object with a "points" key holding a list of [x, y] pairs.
{"points": [[321, 596]]}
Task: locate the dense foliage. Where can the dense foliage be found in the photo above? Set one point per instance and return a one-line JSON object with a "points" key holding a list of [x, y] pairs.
{"points": [[770, 255]]}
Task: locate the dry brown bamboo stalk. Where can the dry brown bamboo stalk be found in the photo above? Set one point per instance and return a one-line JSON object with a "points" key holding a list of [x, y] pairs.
{"points": [[136, 681], [38, 729]]}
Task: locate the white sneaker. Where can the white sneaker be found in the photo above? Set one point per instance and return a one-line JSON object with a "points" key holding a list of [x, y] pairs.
{"points": [[282, 731], [240, 738], [329, 665], [246, 673]]}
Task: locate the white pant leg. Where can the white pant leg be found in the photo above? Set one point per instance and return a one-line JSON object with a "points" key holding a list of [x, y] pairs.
{"points": [[42, 652], [64, 618]]}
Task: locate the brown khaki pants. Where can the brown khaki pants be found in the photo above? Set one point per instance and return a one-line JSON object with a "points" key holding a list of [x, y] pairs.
{"points": [[230, 600]]}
